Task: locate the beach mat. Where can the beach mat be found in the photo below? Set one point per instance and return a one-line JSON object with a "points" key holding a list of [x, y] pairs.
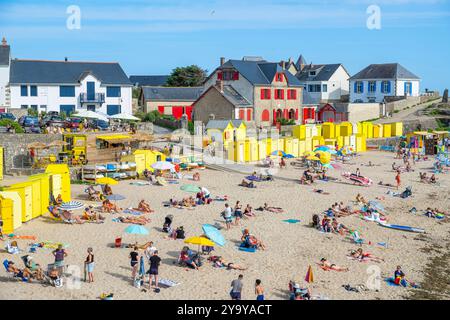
{"points": [[245, 249], [292, 221]]}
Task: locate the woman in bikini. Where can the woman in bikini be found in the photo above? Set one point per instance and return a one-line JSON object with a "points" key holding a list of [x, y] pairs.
{"points": [[364, 256], [143, 206], [272, 209], [221, 263], [134, 220], [248, 211]]}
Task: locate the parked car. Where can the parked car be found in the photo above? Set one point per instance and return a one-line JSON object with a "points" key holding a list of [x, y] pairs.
{"points": [[54, 121], [99, 124], [7, 115], [74, 123], [30, 124], [52, 113]]}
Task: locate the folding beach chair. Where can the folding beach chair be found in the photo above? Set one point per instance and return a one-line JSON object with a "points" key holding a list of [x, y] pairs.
{"points": [[14, 276]]}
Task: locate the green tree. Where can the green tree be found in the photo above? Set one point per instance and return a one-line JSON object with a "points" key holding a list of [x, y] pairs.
{"points": [[32, 112], [17, 128], [190, 76]]}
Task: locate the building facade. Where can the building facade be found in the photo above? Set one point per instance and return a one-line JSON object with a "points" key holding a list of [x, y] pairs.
{"points": [[66, 86], [5, 60], [257, 90], [376, 82], [174, 101]]}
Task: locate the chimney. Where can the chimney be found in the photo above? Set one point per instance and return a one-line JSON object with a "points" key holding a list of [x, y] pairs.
{"points": [[283, 65], [4, 42], [222, 61]]}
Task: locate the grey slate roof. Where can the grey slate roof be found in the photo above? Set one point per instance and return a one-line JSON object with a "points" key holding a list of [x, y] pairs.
{"points": [[323, 72], [172, 93], [222, 124], [384, 71], [62, 72], [260, 72], [234, 97], [301, 60], [4, 55], [157, 81]]}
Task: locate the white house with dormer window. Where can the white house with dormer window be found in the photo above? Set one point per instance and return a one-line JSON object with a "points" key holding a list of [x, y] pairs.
{"points": [[377, 81], [66, 86]]}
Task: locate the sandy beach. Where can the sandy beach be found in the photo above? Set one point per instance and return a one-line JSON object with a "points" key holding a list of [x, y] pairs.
{"points": [[291, 248]]}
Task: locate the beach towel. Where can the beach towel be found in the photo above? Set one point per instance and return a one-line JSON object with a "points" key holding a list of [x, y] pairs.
{"points": [[292, 221], [253, 178], [167, 283], [246, 249], [53, 245], [140, 184], [133, 212], [12, 236]]}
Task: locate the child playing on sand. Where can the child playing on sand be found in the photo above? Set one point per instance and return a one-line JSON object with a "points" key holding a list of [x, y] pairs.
{"points": [[259, 290]]}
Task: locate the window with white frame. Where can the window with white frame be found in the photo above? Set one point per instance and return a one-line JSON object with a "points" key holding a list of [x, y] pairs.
{"points": [[372, 87]]}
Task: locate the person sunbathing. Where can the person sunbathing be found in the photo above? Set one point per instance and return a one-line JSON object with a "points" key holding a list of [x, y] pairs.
{"points": [[248, 211], [69, 217], [143, 206], [246, 184], [109, 207], [338, 227], [273, 209], [381, 183], [221, 263], [248, 240], [93, 194], [24, 274], [433, 178], [360, 199], [134, 220], [364, 256], [326, 265], [90, 215], [107, 190], [35, 268]]}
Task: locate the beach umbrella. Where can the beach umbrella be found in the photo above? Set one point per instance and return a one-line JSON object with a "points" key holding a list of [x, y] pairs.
{"points": [[37, 145], [91, 115], [279, 153], [200, 241], [115, 197], [57, 143], [124, 116], [309, 275], [71, 205], [322, 148], [312, 158], [190, 188], [289, 156], [141, 266], [136, 229], [106, 180], [214, 234], [163, 165]]}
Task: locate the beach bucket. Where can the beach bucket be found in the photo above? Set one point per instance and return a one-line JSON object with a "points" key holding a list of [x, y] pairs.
{"points": [[118, 242]]}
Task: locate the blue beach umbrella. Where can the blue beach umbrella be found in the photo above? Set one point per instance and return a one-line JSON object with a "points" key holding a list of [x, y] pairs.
{"points": [[278, 153], [289, 156], [136, 229], [214, 234], [141, 266], [71, 205]]}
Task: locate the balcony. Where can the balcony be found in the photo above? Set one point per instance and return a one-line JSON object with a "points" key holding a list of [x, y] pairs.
{"points": [[95, 98]]}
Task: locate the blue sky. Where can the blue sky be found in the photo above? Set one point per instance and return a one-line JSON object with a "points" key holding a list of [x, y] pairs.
{"points": [[155, 36]]}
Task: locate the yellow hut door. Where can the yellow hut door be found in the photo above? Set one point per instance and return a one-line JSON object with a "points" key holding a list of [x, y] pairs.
{"points": [[56, 185], [28, 191]]}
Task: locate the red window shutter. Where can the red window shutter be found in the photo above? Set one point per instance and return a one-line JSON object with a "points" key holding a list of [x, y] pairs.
{"points": [[236, 75], [276, 94], [220, 75], [293, 94], [274, 116], [161, 109], [263, 94], [265, 115], [286, 114], [189, 112], [242, 114], [249, 115], [269, 92], [289, 94], [282, 94]]}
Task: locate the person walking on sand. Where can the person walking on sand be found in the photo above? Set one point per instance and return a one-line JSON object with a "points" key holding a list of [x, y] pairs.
{"points": [[153, 271], [89, 265], [237, 212], [259, 290], [59, 255], [134, 262], [227, 215], [236, 288], [397, 179]]}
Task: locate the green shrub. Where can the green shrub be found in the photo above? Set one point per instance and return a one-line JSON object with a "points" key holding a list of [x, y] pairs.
{"points": [[32, 113], [13, 124]]}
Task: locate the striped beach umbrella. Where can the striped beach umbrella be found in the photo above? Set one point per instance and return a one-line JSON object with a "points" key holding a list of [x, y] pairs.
{"points": [[71, 205]]}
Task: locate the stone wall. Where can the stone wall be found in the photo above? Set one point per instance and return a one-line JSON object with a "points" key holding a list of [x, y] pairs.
{"points": [[363, 111], [16, 153]]}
